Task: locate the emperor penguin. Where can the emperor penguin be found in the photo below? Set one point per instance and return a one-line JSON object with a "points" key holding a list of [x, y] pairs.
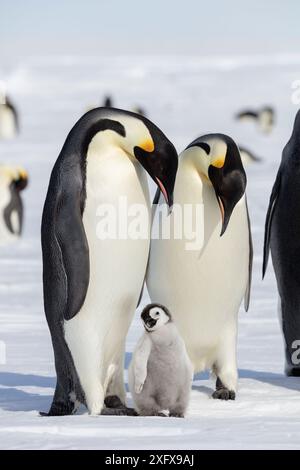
{"points": [[13, 180], [282, 237], [9, 122], [92, 279], [107, 103], [264, 117], [201, 256], [160, 373]]}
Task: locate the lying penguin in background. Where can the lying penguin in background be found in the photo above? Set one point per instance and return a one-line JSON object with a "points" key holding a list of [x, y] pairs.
{"points": [[248, 157], [160, 373], [264, 117], [9, 123], [12, 181]]}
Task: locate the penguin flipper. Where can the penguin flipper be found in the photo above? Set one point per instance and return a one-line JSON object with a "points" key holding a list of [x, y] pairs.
{"points": [[14, 205], [248, 289], [268, 223], [14, 111], [72, 241]]}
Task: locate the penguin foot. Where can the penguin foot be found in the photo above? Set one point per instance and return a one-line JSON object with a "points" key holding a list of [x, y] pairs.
{"points": [[119, 412], [224, 394], [292, 372], [57, 412], [176, 415], [115, 403]]}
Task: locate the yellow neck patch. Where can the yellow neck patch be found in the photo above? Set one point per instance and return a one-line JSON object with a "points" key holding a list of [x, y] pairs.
{"points": [[218, 162], [147, 145]]}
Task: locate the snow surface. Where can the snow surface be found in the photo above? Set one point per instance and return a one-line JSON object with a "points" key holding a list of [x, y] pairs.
{"points": [[186, 97]]}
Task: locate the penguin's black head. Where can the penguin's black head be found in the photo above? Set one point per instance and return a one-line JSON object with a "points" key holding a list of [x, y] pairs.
{"points": [[21, 179], [160, 160], [15, 177], [154, 316], [153, 150], [140, 140], [220, 163]]}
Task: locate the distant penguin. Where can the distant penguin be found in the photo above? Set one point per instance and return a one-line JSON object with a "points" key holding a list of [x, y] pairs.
{"points": [[12, 181], [248, 157], [9, 122], [92, 282], [160, 373], [203, 283], [264, 117], [107, 103], [282, 236]]}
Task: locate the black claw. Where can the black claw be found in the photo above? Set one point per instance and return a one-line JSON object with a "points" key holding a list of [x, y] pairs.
{"points": [[113, 401], [224, 394], [124, 411]]}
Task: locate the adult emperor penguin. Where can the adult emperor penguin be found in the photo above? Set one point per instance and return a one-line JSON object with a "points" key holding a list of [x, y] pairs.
{"points": [[12, 181], [91, 282], [282, 236], [8, 115], [204, 283]]}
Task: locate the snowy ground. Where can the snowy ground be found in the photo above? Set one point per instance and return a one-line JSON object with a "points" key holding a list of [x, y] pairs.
{"points": [[186, 98]]}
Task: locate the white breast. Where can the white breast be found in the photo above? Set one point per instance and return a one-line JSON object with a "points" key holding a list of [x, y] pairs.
{"points": [[203, 288], [7, 123]]}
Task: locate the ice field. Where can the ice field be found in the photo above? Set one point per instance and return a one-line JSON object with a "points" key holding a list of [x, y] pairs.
{"points": [[185, 97]]}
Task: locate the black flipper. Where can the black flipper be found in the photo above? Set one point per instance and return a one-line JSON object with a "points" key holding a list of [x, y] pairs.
{"points": [[73, 244], [248, 290], [11, 106], [268, 223], [14, 205]]}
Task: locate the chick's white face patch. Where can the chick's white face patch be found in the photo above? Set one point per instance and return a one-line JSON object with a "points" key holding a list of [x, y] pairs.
{"points": [[158, 314]]}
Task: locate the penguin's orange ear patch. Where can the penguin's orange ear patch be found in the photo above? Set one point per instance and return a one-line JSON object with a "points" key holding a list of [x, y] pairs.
{"points": [[147, 145]]}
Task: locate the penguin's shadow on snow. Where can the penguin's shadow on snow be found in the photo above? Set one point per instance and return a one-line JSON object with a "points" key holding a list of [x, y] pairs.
{"points": [[13, 399], [271, 378]]}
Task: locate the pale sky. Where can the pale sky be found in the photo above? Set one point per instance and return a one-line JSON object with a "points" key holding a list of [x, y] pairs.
{"points": [[153, 26]]}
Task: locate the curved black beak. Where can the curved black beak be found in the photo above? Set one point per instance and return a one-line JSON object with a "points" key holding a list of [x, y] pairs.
{"points": [[226, 208], [161, 165], [229, 183]]}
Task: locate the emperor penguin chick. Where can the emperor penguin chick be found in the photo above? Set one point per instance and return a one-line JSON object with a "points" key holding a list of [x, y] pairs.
{"points": [[160, 373]]}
